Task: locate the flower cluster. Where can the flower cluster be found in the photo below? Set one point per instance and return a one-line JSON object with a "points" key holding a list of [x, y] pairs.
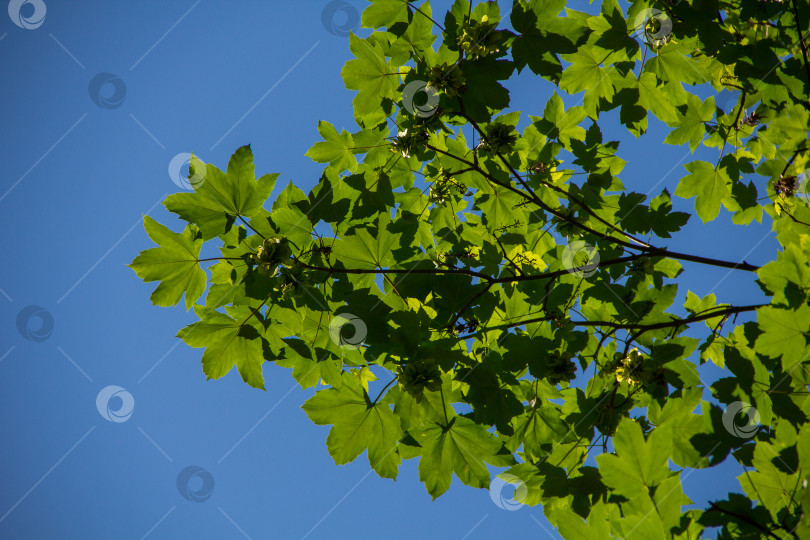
{"points": [[443, 186], [499, 138], [466, 327], [449, 258], [408, 142], [527, 259], [273, 252], [419, 374], [292, 281], [630, 368], [786, 185], [479, 38], [448, 78], [561, 367]]}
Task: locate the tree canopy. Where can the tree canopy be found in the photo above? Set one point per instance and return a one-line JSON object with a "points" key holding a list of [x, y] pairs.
{"points": [[474, 288]]}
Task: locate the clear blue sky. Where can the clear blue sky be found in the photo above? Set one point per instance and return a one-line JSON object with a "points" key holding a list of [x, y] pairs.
{"points": [[207, 76]]}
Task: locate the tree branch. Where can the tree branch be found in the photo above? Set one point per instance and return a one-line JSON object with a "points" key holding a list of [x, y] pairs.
{"points": [[555, 188], [801, 38], [647, 248], [629, 326], [743, 518], [334, 270]]}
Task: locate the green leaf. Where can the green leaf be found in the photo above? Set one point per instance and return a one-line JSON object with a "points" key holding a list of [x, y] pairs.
{"points": [[373, 77], [788, 277], [484, 92], [673, 65], [651, 98], [228, 342], [684, 427], [691, 126], [708, 185], [357, 425], [335, 150], [384, 13], [783, 334], [220, 198], [204, 212], [557, 123], [537, 427], [418, 36], [449, 259], [367, 248], [571, 525], [174, 264], [309, 367], [586, 73], [239, 191], [543, 36], [292, 224], [638, 464], [461, 447]]}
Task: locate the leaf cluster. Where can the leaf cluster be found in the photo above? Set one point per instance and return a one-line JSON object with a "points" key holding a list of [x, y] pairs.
{"points": [[514, 300]]}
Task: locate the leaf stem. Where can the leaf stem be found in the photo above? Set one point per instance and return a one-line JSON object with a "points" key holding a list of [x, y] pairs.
{"points": [[431, 20], [383, 390], [257, 308], [444, 407], [248, 225]]}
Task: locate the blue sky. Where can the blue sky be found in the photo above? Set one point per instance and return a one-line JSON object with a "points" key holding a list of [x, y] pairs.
{"points": [[205, 76]]}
